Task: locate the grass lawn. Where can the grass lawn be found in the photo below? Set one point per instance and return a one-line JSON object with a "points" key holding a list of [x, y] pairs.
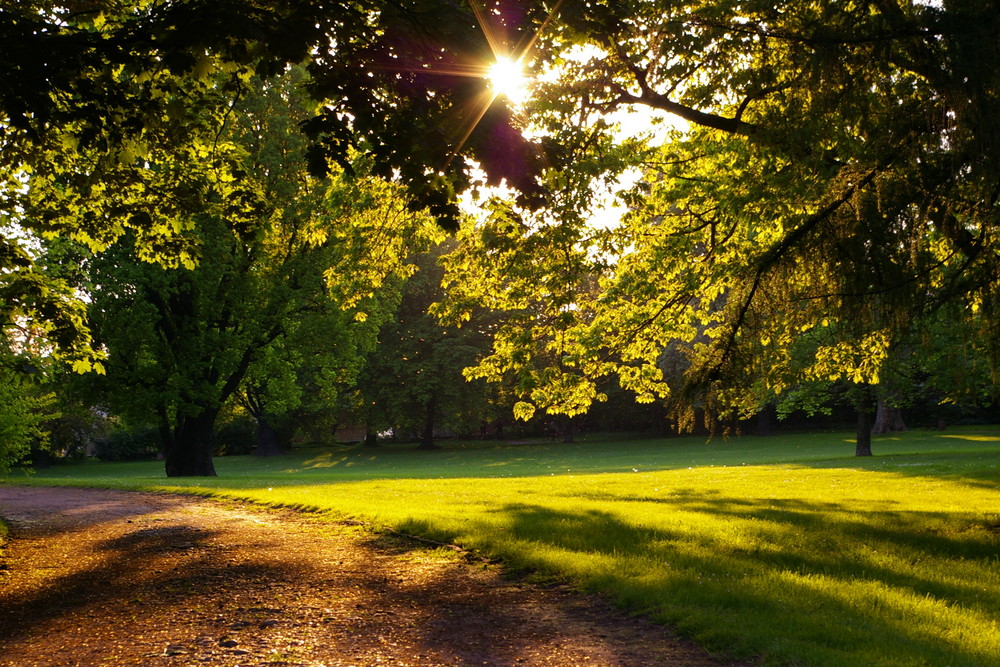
{"points": [[785, 548]]}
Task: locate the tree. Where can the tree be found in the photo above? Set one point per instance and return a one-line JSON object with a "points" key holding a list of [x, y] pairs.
{"points": [[92, 92], [287, 247], [413, 379], [299, 383], [25, 407], [838, 152], [838, 165]]}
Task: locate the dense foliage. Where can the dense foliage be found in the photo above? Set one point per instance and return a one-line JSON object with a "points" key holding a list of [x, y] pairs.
{"points": [[412, 382], [819, 213], [24, 410], [301, 253], [834, 183], [94, 91]]}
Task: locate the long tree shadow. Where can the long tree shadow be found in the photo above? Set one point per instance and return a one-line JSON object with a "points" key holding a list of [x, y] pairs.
{"points": [[803, 565], [972, 537], [979, 469], [136, 571], [500, 618]]}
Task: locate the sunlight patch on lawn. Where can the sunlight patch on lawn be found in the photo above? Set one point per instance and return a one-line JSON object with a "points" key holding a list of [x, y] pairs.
{"points": [[954, 631], [324, 460], [974, 438]]}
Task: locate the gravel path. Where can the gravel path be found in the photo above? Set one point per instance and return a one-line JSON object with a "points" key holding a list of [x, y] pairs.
{"points": [[97, 577]]}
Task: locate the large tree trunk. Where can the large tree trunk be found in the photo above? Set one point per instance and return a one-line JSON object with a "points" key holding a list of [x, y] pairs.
{"points": [[267, 439], [430, 414], [569, 430], [888, 419], [371, 437], [166, 433], [765, 419], [189, 454], [864, 437]]}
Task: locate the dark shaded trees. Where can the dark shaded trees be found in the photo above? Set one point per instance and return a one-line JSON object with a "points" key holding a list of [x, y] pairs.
{"points": [[413, 379], [298, 385]]}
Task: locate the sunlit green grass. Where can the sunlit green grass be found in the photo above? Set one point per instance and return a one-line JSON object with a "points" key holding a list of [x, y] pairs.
{"points": [[785, 548]]}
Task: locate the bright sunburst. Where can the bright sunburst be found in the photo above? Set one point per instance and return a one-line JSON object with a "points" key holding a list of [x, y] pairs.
{"points": [[506, 77]]}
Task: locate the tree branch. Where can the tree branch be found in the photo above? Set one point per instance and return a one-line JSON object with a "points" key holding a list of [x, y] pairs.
{"points": [[657, 101], [777, 251], [831, 39]]}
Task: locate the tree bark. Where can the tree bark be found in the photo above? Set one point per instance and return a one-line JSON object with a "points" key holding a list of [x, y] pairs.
{"points": [[430, 414], [864, 437], [166, 433], [371, 437], [888, 419], [569, 432], [267, 439], [189, 454], [765, 418]]}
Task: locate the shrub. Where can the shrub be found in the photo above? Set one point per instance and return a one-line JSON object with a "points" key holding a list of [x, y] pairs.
{"points": [[24, 409], [236, 436], [129, 446]]}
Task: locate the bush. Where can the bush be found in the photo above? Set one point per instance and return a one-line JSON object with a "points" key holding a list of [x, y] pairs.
{"points": [[129, 446], [236, 436]]}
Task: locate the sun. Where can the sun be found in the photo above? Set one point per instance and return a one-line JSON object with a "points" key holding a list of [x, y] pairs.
{"points": [[506, 77]]}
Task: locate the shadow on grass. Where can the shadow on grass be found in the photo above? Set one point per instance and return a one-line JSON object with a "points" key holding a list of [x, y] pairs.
{"points": [[914, 455], [798, 582], [978, 468]]}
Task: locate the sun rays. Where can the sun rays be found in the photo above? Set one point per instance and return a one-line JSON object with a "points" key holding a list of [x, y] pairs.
{"points": [[502, 69], [505, 75], [506, 78]]}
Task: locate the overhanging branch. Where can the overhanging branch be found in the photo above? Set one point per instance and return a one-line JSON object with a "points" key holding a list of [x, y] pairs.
{"points": [[690, 114]]}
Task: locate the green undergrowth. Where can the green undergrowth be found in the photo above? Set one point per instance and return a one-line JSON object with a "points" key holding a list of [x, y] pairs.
{"points": [[785, 549]]}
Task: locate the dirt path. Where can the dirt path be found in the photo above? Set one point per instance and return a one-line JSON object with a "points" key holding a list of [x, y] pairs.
{"points": [[95, 577]]}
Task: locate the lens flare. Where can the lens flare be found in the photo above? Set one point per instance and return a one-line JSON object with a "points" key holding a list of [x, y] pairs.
{"points": [[506, 77]]}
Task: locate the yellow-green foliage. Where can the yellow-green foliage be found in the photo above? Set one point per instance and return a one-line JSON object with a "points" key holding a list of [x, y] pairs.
{"points": [[778, 548]]}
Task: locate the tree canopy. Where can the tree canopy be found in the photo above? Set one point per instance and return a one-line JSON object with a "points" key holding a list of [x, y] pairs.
{"points": [[183, 340], [831, 187], [836, 183], [92, 92]]}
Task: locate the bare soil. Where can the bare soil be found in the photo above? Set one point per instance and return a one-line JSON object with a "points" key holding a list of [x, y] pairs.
{"points": [[98, 577]]}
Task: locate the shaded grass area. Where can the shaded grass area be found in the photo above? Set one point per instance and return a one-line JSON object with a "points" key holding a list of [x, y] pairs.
{"points": [[780, 548]]}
